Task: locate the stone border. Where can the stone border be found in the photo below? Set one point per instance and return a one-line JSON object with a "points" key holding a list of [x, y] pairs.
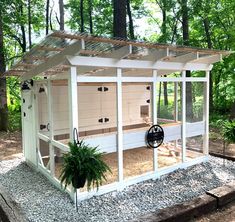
{"points": [[187, 211], [232, 158], [10, 210]]}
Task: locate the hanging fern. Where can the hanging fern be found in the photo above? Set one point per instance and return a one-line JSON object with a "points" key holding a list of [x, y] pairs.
{"points": [[83, 162]]}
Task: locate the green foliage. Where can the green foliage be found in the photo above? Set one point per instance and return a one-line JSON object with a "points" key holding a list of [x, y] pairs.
{"points": [[84, 161], [14, 120], [228, 131], [216, 120]]}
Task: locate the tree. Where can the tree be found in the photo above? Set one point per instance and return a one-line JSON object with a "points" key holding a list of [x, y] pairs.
{"points": [[131, 26], [90, 15], [47, 16], [119, 18], [185, 31], [29, 23], [82, 16], [61, 6], [3, 93]]}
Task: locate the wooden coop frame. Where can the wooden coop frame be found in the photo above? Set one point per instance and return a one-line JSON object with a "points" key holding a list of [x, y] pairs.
{"points": [[77, 59]]}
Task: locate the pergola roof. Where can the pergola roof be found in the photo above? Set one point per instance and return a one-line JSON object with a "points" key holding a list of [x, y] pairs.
{"points": [[56, 53]]}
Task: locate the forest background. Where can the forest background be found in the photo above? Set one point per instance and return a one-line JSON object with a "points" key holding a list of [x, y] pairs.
{"points": [[199, 23]]}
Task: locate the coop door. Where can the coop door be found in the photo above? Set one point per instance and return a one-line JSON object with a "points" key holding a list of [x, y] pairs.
{"points": [[43, 115], [96, 108], [28, 126]]}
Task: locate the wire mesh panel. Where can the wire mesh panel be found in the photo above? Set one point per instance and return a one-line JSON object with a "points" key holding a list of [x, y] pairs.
{"points": [[169, 115], [195, 119], [137, 118]]}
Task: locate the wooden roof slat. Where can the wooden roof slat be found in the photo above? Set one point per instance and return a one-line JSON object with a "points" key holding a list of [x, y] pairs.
{"points": [[46, 48], [138, 44]]}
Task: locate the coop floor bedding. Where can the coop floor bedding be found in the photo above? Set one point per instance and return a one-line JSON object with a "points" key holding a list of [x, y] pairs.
{"points": [[41, 201]]}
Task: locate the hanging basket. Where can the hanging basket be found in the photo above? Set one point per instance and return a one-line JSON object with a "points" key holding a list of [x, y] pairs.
{"points": [[78, 181]]}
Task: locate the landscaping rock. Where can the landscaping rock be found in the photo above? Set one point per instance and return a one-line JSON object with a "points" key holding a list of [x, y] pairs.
{"points": [[224, 194], [42, 202]]}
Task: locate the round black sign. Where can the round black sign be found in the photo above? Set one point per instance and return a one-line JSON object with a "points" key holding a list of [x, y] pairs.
{"points": [[155, 136]]}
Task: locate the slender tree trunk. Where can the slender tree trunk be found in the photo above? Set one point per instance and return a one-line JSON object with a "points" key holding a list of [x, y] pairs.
{"points": [[82, 16], [185, 26], [159, 99], [119, 18], [131, 26], [164, 40], [29, 23], [3, 93], [209, 45], [24, 44], [90, 16], [61, 6], [47, 16], [50, 19], [165, 93]]}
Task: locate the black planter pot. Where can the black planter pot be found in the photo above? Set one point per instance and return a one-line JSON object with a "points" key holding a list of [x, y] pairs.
{"points": [[79, 181]]}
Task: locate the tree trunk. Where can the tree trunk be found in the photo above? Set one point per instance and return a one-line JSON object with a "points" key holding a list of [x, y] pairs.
{"points": [[61, 6], [29, 23], [159, 99], [232, 113], [3, 93], [165, 93], [209, 45], [119, 18], [90, 16], [185, 26], [24, 44], [47, 16], [131, 26], [82, 16]]}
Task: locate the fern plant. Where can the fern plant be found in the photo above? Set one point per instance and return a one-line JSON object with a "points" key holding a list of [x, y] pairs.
{"points": [[228, 131], [83, 164]]}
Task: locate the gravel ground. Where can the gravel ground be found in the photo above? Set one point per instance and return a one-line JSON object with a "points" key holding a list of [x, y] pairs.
{"points": [[43, 202]]}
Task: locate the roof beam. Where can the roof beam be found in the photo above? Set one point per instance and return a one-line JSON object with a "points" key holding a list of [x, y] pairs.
{"points": [[156, 55], [209, 59], [121, 52], [45, 48], [54, 60], [138, 64], [165, 72], [184, 58], [116, 54]]}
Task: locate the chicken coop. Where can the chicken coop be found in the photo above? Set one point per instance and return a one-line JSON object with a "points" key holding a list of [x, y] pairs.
{"points": [[119, 95]]}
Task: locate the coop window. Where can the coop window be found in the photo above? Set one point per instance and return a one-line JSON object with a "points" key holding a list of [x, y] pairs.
{"points": [[144, 111]]}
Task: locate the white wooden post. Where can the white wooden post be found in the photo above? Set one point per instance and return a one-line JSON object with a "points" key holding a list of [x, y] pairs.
{"points": [[73, 109], [51, 130], [184, 117], [73, 101], [154, 116], [176, 107], [206, 114], [176, 101], [119, 125]]}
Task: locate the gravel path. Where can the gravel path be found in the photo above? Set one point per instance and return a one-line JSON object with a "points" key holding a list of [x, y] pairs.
{"points": [[43, 202]]}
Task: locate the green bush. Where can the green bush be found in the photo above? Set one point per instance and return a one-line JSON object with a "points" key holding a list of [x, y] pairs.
{"points": [[228, 131]]}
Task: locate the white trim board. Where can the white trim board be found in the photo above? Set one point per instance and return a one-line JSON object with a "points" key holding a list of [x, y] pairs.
{"points": [[135, 64]]}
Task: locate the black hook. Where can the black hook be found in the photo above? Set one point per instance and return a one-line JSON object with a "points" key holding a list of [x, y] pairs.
{"points": [[75, 136]]}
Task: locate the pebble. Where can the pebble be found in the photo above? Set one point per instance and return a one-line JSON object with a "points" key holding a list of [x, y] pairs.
{"points": [[42, 202]]}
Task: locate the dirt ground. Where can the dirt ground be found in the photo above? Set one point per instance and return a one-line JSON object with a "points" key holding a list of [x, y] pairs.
{"points": [[11, 147], [226, 214]]}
